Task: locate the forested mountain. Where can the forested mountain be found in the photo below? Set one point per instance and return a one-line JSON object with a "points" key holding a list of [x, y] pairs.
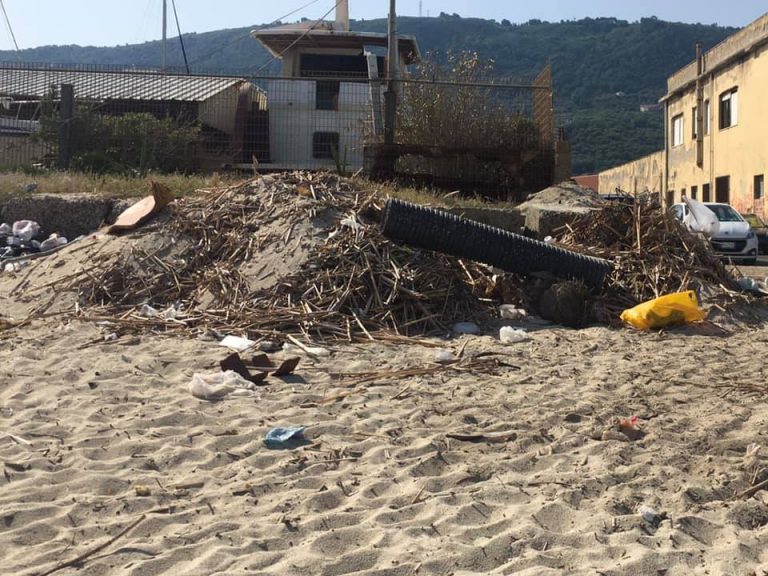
{"points": [[603, 68]]}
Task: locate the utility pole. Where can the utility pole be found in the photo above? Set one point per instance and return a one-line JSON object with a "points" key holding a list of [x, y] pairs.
{"points": [[393, 65], [421, 13], [165, 33]]}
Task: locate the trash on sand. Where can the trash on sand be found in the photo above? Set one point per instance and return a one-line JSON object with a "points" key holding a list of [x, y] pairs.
{"points": [[492, 437], [217, 386], [509, 335], [288, 437], [466, 328], [650, 515], [234, 363], [169, 313], [143, 209], [12, 267], [510, 312], [261, 363], [752, 451], [287, 366], [751, 285], [238, 343], [445, 357], [316, 351], [26, 229], [52, 242], [142, 490], [6, 229], [628, 427], [669, 310]]}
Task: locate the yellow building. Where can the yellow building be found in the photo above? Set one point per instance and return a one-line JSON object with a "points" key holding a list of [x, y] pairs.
{"points": [[716, 129]]}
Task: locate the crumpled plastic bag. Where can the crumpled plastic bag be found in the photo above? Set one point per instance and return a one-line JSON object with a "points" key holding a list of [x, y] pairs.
{"points": [[669, 310], [26, 229], [218, 385], [701, 219], [285, 437]]}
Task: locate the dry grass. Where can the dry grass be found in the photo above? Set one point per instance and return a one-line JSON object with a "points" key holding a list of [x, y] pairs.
{"points": [[115, 186]]}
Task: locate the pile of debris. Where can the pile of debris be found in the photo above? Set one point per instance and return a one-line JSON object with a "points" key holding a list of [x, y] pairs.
{"points": [[652, 253], [280, 252], [303, 251], [25, 237]]}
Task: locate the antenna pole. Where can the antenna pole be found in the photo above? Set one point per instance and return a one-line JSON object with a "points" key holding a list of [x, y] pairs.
{"points": [[165, 33]]}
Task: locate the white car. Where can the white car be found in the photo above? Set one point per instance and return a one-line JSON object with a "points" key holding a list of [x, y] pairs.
{"points": [[735, 240]]}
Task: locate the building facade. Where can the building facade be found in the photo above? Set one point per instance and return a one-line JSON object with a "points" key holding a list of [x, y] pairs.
{"points": [[716, 129]]}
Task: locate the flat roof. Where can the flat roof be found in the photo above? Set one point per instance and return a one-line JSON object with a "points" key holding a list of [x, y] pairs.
{"points": [[278, 40]]}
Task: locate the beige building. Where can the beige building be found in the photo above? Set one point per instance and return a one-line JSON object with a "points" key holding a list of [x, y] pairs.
{"points": [[716, 129]]}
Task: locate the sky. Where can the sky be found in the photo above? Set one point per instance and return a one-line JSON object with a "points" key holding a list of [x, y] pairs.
{"points": [[116, 22]]}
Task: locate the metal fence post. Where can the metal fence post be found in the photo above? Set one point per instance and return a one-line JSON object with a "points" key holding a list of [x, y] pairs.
{"points": [[66, 112]]}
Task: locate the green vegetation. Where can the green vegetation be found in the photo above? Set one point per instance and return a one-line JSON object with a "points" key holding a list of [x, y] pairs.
{"points": [[603, 68]]}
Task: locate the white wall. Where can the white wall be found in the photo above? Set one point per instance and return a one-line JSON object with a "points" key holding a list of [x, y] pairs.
{"points": [[293, 119]]}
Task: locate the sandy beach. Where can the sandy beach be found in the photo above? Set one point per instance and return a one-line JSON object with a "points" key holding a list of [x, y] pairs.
{"points": [[381, 488], [511, 460]]}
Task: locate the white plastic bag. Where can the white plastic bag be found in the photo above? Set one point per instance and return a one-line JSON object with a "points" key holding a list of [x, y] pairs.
{"points": [[26, 229], [509, 335], [701, 219], [217, 386]]}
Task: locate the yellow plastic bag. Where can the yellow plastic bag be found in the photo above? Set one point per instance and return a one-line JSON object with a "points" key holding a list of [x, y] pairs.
{"points": [[680, 308]]}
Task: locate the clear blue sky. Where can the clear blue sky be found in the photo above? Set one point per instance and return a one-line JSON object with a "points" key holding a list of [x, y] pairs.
{"points": [[114, 22]]}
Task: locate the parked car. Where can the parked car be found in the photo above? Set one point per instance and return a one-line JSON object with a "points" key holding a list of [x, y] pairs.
{"points": [[761, 230], [735, 240]]}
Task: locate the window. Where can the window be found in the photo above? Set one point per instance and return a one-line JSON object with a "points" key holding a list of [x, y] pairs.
{"points": [[706, 117], [694, 192], [705, 197], [694, 123], [729, 108], [325, 145], [327, 94], [759, 188], [723, 189], [677, 130]]}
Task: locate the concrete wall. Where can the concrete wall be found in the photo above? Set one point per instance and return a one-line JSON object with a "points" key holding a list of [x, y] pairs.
{"points": [[645, 174], [739, 152], [293, 119], [219, 111]]}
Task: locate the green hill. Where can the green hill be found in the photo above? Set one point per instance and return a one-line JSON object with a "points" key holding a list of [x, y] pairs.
{"points": [[603, 68]]}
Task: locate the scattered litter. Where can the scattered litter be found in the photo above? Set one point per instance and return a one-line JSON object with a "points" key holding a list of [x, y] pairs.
{"points": [[12, 267], [216, 386], [752, 451], [445, 357], [144, 209], [509, 335], [510, 312], [316, 351], [753, 286], [491, 437], [234, 363], [650, 515], [289, 437], [239, 343], [111, 337], [169, 313], [26, 230], [466, 328], [6, 229], [628, 427], [142, 490], [268, 346], [670, 310]]}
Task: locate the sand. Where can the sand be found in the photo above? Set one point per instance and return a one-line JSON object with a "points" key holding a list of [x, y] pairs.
{"points": [[99, 433], [381, 489]]}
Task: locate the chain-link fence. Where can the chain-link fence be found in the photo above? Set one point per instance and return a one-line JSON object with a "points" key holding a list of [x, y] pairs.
{"points": [[471, 136]]}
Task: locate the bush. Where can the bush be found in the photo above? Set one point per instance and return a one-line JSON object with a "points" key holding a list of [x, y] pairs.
{"points": [[136, 142]]}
